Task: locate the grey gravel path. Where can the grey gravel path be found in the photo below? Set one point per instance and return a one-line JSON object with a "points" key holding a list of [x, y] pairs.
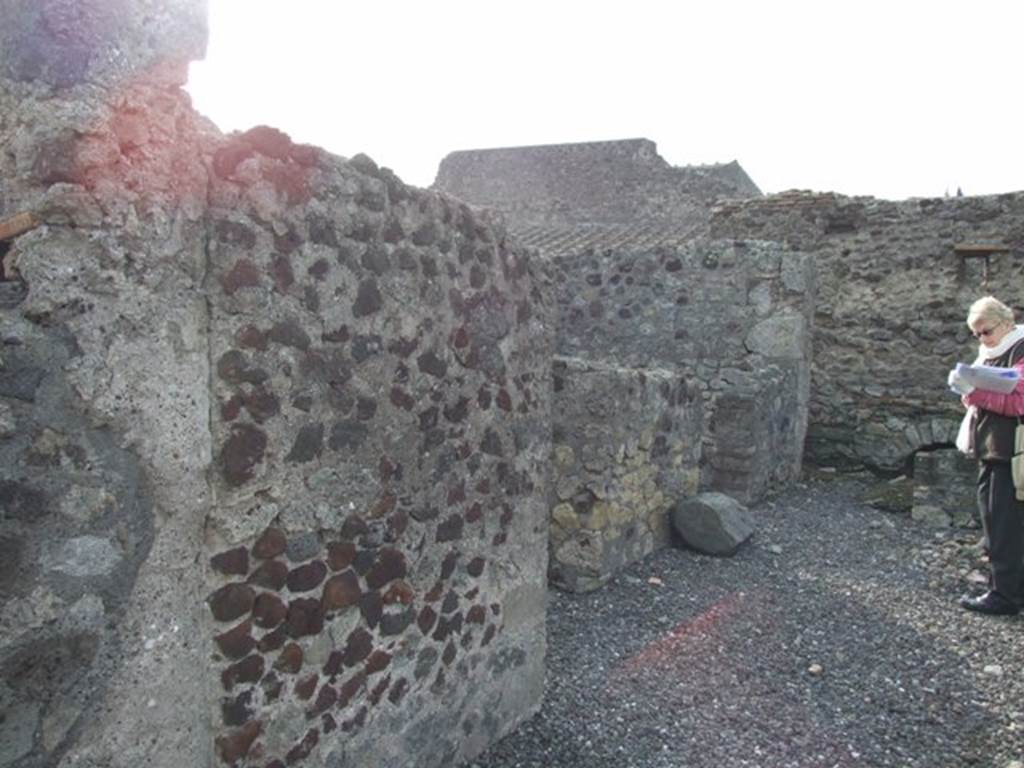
{"points": [[831, 639]]}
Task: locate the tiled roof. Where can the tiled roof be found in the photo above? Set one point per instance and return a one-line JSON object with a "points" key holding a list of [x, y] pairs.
{"points": [[640, 236]]}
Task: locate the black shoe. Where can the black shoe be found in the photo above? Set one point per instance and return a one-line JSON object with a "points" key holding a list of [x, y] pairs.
{"points": [[991, 602]]}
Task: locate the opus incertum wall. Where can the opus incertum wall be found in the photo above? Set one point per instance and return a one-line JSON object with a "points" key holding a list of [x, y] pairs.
{"points": [[274, 431], [889, 318]]}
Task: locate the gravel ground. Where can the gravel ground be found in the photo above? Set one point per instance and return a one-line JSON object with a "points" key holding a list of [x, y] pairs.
{"points": [[832, 638]]}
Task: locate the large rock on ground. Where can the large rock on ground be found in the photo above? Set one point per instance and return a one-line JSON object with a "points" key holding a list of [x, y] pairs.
{"points": [[945, 485], [712, 523]]}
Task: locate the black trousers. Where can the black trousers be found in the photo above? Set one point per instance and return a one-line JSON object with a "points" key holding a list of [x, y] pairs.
{"points": [[1002, 517]]}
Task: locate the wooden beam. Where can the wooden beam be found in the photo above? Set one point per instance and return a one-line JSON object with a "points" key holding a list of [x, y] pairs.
{"points": [[980, 249], [18, 224]]}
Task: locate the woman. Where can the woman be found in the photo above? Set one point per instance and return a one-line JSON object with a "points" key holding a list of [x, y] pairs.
{"points": [[994, 418]]}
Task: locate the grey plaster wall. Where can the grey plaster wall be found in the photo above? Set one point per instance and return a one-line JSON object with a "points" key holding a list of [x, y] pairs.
{"points": [[889, 318]]}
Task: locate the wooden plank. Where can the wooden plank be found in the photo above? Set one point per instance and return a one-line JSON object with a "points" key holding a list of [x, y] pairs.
{"points": [[980, 249], [18, 224]]}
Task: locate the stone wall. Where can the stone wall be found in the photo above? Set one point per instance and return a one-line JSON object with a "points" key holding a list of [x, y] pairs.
{"points": [[606, 182], [733, 318], [626, 447], [258, 405], [889, 319]]}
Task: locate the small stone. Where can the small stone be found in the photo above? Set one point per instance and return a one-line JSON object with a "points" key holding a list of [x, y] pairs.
{"points": [[268, 611], [305, 687], [305, 617], [341, 591], [231, 601], [389, 565], [236, 642], [995, 670], [270, 575], [248, 670], [271, 543], [233, 746], [290, 660], [816, 670], [233, 562], [340, 554], [307, 577]]}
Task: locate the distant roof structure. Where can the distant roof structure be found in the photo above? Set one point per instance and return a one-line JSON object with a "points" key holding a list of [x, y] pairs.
{"points": [[611, 193]]}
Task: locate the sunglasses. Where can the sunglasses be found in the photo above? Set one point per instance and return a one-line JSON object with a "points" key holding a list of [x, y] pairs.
{"points": [[985, 332]]}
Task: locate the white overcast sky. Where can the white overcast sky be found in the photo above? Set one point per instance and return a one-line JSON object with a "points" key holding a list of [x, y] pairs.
{"points": [[891, 98]]}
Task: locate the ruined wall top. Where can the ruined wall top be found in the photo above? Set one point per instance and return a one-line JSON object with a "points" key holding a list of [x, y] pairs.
{"points": [[564, 185], [64, 43]]}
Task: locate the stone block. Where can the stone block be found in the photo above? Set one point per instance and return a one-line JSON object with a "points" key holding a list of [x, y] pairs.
{"points": [[627, 444], [945, 488], [712, 523]]}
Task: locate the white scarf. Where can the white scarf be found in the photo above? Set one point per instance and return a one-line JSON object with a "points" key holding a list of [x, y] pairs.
{"points": [[990, 353]]}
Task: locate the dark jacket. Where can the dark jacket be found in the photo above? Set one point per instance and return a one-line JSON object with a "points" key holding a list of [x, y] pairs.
{"points": [[993, 434]]}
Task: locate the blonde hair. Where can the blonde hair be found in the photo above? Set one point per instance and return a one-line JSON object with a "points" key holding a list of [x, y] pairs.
{"points": [[991, 309]]}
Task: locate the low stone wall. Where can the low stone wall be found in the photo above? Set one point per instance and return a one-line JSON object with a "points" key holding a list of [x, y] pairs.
{"points": [[626, 447], [732, 317], [889, 318]]}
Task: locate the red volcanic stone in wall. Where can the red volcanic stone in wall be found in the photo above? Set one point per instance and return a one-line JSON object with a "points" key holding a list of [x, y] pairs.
{"points": [[358, 646], [245, 274], [398, 690], [458, 412], [450, 529], [271, 543], [340, 554], [290, 659], [355, 722], [251, 337], [451, 602], [307, 577], [289, 333], [460, 337], [386, 469], [476, 566], [281, 271], [476, 615], [233, 562], [504, 400], [229, 411], [304, 688], [354, 527], [319, 269], [305, 617], [474, 513], [397, 525], [231, 602], [333, 665], [237, 642], [389, 565], [270, 575], [248, 670], [378, 690], [425, 621], [308, 445], [350, 688], [341, 591], [241, 452], [377, 662], [499, 539], [262, 404], [268, 611], [448, 564], [402, 399], [325, 699], [272, 687], [235, 745], [403, 347], [432, 365], [483, 398], [371, 605], [272, 640], [383, 506], [471, 594], [399, 592], [435, 592]]}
